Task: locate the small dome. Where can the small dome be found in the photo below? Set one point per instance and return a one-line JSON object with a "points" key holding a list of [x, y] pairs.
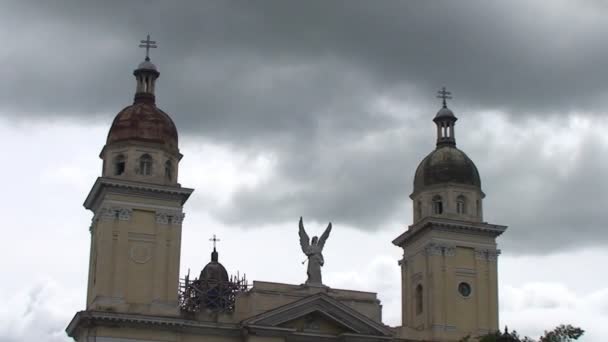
{"points": [[446, 164], [214, 271], [143, 121], [445, 112], [147, 65]]}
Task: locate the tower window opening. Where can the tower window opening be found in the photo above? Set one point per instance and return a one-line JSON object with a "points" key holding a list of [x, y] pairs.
{"points": [[418, 299], [478, 208], [168, 170], [461, 205], [145, 165], [119, 165], [437, 205], [418, 210]]}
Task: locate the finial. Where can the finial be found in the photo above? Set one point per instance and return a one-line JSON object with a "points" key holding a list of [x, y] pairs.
{"points": [[214, 253], [214, 239], [444, 94], [148, 44]]}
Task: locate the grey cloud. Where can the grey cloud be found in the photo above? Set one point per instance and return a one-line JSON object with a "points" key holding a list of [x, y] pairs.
{"points": [[302, 80], [359, 183], [547, 208], [518, 56]]}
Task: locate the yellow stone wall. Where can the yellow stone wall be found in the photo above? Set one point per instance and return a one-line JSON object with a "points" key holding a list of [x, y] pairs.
{"points": [[439, 261], [134, 264]]}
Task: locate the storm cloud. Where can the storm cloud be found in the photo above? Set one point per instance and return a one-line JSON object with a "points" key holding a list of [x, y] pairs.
{"points": [[339, 95]]}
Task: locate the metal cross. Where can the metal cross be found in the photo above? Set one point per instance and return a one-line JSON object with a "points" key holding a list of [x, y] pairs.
{"points": [[214, 239], [148, 44], [444, 94]]}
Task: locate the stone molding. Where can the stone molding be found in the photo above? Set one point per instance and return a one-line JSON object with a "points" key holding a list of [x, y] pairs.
{"points": [[450, 225], [487, 254], [439, 249], [104, 184], [328, 307], [443, 327], [85, 319], [417, 277], [403, 263], [113, 213], [140, 252], [465, 271], [169, 217]]}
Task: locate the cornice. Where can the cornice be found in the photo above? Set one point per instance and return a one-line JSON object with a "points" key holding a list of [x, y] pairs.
{"points": [[108, 183], [328, 306], [449, 225], [87, 318]]}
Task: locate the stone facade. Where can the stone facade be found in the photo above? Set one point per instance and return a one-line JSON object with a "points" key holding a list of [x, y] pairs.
{"points": [[440, 254], [267, 312]]}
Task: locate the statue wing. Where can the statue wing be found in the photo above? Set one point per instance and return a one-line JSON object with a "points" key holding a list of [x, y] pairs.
{"points": [[304, 239], [324, 237]]}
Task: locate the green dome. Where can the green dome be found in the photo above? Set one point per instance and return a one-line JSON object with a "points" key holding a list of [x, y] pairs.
{"points": [[446, 164]]}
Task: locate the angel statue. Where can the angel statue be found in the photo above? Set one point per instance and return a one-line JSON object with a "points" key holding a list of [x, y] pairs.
{"points": [[313, 252]]}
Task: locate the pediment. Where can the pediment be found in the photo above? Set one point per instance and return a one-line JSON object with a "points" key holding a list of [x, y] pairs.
{"points": [[320, 313]]}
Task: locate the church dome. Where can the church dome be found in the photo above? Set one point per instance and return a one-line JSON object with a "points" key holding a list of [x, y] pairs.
{"points": [[147, 65], [143, 121], [446, 164], [214, 271], [444, 112]]}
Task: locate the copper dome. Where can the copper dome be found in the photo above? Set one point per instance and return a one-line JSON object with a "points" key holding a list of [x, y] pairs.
{"points": [[143, 121], [446, 164]]}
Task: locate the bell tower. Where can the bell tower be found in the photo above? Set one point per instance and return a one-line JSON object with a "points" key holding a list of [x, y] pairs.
{"points": [[449, 268], [137, 205]]}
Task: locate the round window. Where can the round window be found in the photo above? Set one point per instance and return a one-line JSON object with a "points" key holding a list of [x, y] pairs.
{"points": [[464, 289]]}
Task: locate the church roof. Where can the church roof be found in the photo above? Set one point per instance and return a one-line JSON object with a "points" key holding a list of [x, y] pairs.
{"points": [[214, 271], [325, 306], [446, 164], [143, 121]]}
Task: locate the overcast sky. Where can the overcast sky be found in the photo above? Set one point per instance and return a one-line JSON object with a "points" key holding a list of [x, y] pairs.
{"points": [[319, 109]]}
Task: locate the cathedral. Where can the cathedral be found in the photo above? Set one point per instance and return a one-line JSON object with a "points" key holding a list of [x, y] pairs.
{"points": [[449, 286]]}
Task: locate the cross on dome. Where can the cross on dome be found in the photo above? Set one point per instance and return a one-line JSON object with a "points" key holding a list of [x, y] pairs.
{"points": [[214, 239], [148, 44], [444, 94]]}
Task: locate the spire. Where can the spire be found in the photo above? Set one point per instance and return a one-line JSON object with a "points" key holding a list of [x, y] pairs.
{"points": [[146, 74], [445, 121]]}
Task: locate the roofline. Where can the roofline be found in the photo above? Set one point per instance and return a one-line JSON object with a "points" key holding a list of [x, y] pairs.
{"points": [[83, 317], [378, 326], [444, 223], [105, 182]]}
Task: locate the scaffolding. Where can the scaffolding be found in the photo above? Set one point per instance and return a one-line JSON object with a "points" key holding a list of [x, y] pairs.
{"points": [[217, 296]]}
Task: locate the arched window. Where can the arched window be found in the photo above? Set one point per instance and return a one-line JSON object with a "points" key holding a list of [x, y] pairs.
{"points": [[119, 165], [168, 170], [437, 205], [145, 165], [418, 299], [418, 210], [478, 208], [461, 205]]}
